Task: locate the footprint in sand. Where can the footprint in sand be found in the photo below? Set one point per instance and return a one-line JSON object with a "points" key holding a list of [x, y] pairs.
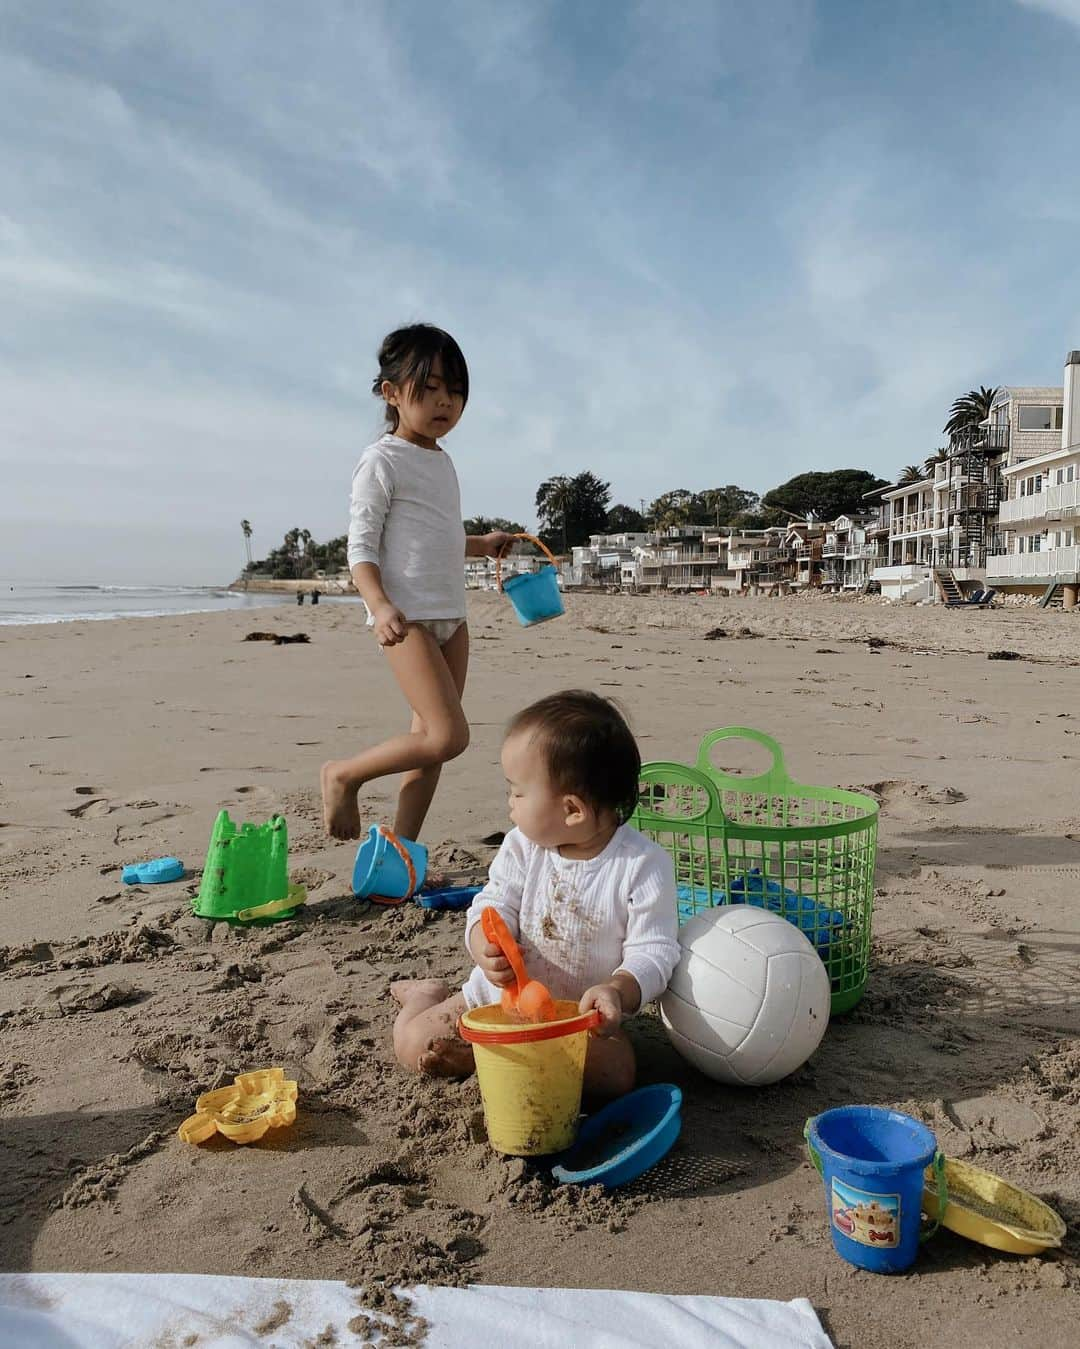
{"points": [[91, 810], [87, 791], [901, 795]]}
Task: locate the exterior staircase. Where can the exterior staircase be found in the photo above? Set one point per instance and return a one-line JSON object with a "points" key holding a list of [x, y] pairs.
{"points": [[1050, 594], [947, 588]]}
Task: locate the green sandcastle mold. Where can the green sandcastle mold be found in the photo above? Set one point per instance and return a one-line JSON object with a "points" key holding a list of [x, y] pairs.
{"points": [[246, 876]]}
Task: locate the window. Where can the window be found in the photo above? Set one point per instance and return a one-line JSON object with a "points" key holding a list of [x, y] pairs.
{"points": [[1069, 473], [1034, 417], [1060, 478]]}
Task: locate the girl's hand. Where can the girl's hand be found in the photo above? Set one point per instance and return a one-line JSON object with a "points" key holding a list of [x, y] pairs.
{"points": [[495, 965], [607, 1000], [497, 543], [391, 625]]}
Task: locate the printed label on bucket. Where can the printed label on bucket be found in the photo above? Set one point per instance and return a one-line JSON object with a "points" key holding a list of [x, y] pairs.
{"points": [[870, 1219]]}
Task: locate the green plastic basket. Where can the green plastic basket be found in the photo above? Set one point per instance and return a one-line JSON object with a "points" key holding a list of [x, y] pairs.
{"points": [[806, 852]]}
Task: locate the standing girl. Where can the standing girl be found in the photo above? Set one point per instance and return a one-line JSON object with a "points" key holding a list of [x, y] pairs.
{"points": [[407, 547]]}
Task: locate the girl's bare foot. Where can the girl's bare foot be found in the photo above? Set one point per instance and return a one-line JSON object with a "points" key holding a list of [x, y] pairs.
{"points": [[446, 1058], [341, 812]]}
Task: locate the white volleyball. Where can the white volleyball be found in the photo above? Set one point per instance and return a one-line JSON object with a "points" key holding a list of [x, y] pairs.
{"points": [[749, 1000]]}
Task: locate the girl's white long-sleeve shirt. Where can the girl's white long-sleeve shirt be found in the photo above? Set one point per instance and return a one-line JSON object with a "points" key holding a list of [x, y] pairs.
{"points": [[577, 923], [405, 516]]}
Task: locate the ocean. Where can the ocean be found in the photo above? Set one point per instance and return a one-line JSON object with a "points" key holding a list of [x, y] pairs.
{"points": [[71, 603]]}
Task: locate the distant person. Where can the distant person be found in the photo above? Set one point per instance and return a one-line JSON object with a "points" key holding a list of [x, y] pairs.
{"points": [[314, 597], [299, 597], [406, 552]]}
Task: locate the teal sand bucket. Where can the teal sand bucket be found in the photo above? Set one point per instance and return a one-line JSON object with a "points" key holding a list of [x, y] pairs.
{"points": [[873, 1163], [535, 595], [388, 869]]}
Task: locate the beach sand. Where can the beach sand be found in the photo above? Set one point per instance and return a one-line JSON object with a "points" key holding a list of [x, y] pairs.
{"points": [[122, 740]]}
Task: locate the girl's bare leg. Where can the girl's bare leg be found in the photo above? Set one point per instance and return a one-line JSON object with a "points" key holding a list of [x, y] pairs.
{"points": [[425, 679], [610, 1067], [418, 785], [425, 1032]]}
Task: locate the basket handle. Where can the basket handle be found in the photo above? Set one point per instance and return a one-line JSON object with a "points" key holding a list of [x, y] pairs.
{"points": [[680, 775], [773, 778], [530, 538]]}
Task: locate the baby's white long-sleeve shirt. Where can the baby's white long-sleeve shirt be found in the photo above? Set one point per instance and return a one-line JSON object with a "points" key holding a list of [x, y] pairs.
{"points": [[577, 923], [405, 516]]}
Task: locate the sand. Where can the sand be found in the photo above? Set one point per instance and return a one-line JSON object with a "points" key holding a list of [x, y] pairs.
{"points": [[122, 740]]}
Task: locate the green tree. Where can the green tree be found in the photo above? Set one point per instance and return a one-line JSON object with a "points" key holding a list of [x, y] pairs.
{"points": [[968, 411], [932, 460], [722, 505], [488, 524], [625, 520], [570, 509], [912, 473], [672, 508], [826, 494], [247, 531]]}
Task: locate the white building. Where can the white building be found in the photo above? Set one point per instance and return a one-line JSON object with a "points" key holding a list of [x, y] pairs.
{"points": [[1037, 543]]}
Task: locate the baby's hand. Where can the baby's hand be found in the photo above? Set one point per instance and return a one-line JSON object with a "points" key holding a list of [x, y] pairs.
{"points": [[495, 965], [607, 1000], [391, 625]]}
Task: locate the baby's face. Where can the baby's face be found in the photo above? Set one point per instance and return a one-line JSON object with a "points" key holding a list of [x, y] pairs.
{"points": [[536, 807]]}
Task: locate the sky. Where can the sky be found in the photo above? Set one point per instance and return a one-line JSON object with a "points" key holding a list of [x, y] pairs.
{"points": [[681, 245]]}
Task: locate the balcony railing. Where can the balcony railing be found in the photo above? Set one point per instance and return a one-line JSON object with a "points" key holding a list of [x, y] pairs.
{"points": [[1034, 566], [1065, 497], [991, 439]]}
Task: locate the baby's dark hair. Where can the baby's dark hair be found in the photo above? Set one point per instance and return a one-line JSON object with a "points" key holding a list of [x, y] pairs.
{"points": [[589, 749], [406, 357]]}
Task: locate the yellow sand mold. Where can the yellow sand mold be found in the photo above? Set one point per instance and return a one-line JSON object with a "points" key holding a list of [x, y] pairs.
{"points": [[987, 1209], [243, 1112]]}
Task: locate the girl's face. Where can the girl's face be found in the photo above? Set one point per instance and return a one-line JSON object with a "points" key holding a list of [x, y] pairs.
{"points": [[428, 411]]}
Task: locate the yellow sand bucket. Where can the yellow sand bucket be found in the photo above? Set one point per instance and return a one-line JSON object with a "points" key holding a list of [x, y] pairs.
{"points": [[530, 1076]]}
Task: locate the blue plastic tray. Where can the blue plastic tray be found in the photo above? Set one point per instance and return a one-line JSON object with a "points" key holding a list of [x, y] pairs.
{"points": [[456, 897], [820, 924], [621, 1142]]}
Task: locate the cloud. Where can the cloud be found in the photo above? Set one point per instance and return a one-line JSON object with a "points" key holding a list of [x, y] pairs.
{"points": [[1069, 10]]}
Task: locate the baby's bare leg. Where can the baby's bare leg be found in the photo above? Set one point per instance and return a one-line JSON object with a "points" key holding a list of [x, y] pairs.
{"points": [[610, 1066], [425, 1032]]}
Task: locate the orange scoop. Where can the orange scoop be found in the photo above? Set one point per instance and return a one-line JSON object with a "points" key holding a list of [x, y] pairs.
{"points": [[526, 996]]}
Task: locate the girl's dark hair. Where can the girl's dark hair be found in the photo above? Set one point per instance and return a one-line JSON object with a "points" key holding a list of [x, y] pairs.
{"points": [[589, 749], [406, 357]]}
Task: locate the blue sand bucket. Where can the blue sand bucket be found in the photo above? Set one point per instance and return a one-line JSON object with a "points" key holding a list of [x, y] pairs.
{"points": [[535, 596], [388, 869], [872, 1162]]}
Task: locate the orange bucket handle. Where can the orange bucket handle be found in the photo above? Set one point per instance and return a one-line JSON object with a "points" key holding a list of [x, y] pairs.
{"points": [[531, 538], [402, 852]]}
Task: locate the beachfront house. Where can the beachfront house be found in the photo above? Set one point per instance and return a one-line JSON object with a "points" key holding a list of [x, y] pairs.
{"points": [[851, 549], [944, 529], [754, 559], [1037, 539], [606, 560], [683, 557]]}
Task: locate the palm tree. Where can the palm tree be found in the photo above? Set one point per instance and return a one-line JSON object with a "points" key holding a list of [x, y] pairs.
{"points": [[245, 526], [554, 498], [968, 411], [912, 473], [932, 461]]}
